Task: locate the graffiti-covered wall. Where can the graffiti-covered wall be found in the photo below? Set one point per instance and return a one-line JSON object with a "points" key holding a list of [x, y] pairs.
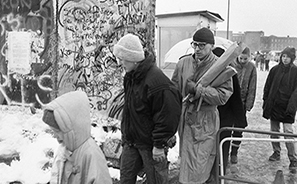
{"points": [[70, 47], [25, 31]]}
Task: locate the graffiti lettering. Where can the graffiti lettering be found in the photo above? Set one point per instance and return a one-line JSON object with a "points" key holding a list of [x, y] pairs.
{"points": [[19, 86], [40, 85], [3, 81], [65, 52], [32, 16], [90, 28], [18, 6]]}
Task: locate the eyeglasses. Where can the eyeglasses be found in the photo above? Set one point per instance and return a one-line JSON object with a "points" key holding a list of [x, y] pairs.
{"points": [[243, 58], [195, 44]]}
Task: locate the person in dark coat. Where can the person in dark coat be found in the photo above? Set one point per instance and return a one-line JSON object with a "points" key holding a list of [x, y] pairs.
{"points": [[280, 102], [232, 114], [151, 113], [247, 78]]}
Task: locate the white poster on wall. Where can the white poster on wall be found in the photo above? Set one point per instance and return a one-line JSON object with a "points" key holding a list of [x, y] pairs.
{"points": [[19, 52]]}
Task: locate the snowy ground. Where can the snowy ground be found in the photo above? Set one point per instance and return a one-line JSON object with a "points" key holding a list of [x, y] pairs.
{"points": [[26, 138], [253, 155], [27, 147]]}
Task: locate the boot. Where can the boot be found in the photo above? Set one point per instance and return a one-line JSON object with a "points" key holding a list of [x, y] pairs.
{"points": [[234, 159], [293, 166], [274, 157]]}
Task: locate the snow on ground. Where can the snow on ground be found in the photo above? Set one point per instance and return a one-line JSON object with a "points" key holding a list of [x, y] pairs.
{"points": [[24, 137], [253, 164]]}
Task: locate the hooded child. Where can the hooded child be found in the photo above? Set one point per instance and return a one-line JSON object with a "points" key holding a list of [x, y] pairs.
{"points": [[78, 159]]}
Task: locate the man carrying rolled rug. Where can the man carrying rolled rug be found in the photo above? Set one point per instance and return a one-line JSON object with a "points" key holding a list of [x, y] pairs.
{"points": [[197, 129]]}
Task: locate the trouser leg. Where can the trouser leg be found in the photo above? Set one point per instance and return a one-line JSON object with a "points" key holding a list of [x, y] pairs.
{"points": [[274, 127], [130, 164], [156, 172], [235, 144], [288, 128], [225, 148]]}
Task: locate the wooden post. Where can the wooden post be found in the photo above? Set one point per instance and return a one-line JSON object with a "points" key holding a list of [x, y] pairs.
{"points": [[55, 44], [151, 27]]}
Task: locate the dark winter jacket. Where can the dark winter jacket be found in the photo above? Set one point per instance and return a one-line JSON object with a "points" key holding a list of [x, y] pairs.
{"points": [[280, 93], [152, 106], [232, 113]]}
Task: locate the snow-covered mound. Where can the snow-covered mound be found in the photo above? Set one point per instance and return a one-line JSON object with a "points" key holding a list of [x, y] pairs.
{"points": [[27, 146]]}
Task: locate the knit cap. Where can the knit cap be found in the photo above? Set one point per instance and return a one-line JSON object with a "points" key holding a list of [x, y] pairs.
{"points": [[246, 51], [291, 53], [204, 35], [129, 48], [49, 119]]}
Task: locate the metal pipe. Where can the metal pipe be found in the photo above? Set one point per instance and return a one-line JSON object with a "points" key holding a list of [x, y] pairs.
{"points": [[219, 158], [228, 19]]}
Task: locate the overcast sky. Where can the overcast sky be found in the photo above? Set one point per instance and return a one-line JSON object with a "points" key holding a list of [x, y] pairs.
{"points": [[274, 17]]}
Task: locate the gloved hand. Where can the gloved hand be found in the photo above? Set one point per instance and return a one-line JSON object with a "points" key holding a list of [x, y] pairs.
{"points": [[190, 86], [159, 154], [198, 91], [171, 142]]}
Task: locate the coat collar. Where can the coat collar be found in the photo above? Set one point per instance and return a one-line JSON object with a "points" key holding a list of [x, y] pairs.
{"points": [[141, 71]]}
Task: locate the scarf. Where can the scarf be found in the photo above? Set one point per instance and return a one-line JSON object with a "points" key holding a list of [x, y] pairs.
{"points": [[61, 157], [201, 66]]}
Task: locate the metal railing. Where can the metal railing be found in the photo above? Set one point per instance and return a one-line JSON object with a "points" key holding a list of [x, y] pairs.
{"points": [[219, 143]]}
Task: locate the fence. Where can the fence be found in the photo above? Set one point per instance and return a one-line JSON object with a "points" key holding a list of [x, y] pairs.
{"points": [[219, 161]]}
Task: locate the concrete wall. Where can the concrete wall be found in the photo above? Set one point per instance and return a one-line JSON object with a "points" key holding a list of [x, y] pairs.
{"points": [[71, 47]]}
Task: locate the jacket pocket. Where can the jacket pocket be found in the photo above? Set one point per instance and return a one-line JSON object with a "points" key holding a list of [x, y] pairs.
{"points": [[202, 124]]}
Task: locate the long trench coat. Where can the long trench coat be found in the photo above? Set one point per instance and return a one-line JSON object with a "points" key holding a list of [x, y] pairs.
{"points": [[197, 129]]}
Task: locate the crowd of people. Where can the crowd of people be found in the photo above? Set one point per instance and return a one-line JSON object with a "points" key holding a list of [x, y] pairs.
{"points": [[262, 60], [154, 111]]}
